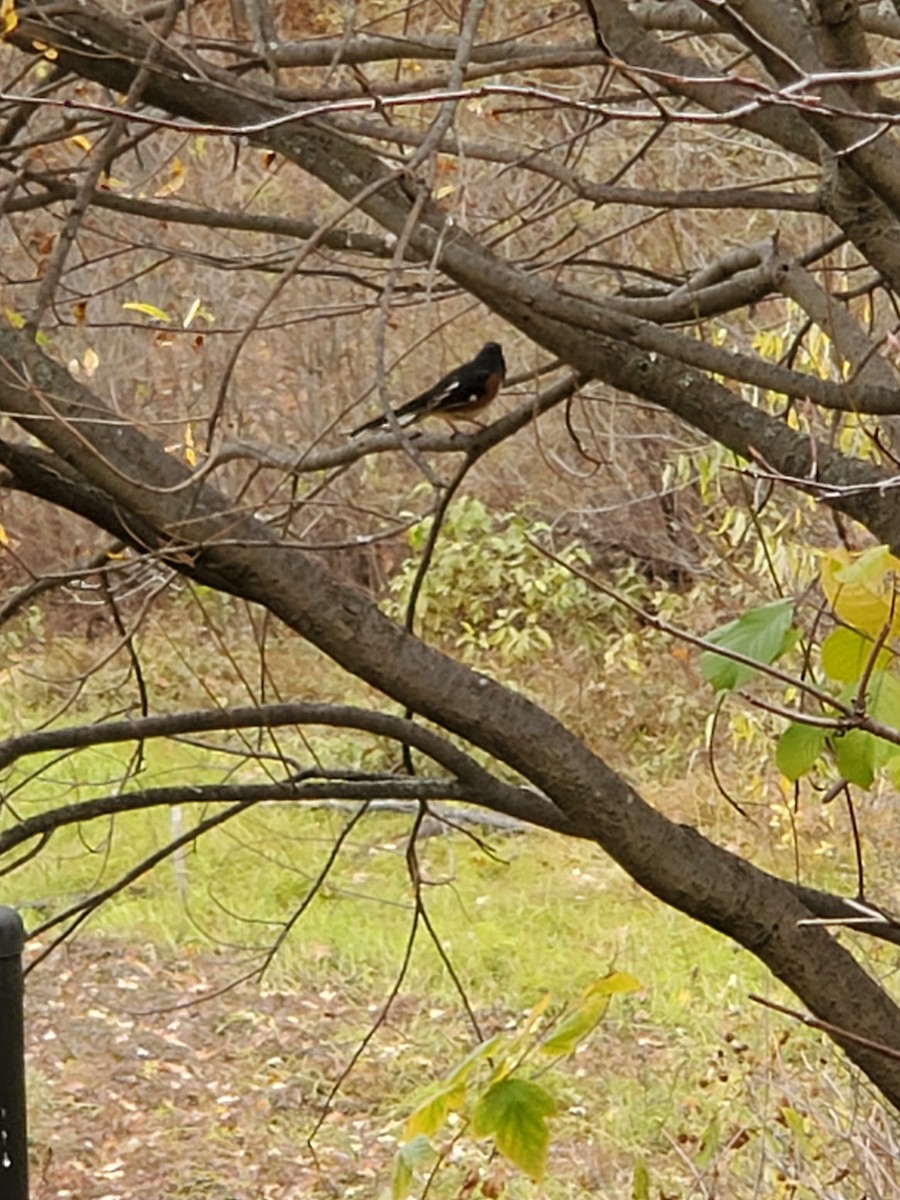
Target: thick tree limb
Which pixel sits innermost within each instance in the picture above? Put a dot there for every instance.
(239, 553)
(228, 549)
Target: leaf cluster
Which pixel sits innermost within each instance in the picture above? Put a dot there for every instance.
(490, 587)
(490, 1093)
(853, 668)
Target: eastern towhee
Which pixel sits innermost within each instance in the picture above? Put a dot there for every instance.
(461, 393)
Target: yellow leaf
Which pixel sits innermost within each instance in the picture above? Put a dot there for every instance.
(610, 985)
(535, 1015)
(91, 361)
(861, 588)
(190, 446)
(4, 536)
(79, 140)
(149, 310)
(14, 318)
(175, 181)
(8, 17)
(191, 313)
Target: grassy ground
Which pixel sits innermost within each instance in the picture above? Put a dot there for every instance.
(148, 1079)
(155, 1072)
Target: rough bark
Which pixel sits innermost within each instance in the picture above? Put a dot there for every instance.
(197, 528)
(240, 554)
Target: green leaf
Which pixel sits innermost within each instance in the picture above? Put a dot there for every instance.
(515, 1112)
(709, 1145)
(576, 1026)
(796, 1123)
(640, 1180)
(884, 699)
(482, 1051)
(761, 634)
(845, 653)
(585, 1018)
(870, 566)
(412, 1154)
(892, 766)
(855, 754)
(798, 748)
(449, 1095)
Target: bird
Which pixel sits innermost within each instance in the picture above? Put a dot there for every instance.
(460, 393)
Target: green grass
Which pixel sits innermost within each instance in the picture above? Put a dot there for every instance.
(687, 1074)
(676, 1069)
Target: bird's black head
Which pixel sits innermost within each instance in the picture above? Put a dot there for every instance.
(491, 354)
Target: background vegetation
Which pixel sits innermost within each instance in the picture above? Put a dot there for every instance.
(230, 234)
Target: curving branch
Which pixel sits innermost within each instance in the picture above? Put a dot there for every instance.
(676, 864)
(522, 803)
(364, 789)
(216, 538)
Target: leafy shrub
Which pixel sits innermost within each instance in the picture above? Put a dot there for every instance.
(489, 587)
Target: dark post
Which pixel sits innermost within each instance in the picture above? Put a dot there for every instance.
(13, 1124)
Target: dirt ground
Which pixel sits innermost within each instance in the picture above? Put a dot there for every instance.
(144, 1083)
(150, 1077)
